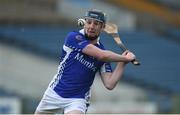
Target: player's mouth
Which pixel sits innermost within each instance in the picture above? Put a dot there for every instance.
(91, 32)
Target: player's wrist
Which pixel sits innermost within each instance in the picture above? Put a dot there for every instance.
(128, 59)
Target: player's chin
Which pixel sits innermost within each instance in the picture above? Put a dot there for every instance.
(91, 35)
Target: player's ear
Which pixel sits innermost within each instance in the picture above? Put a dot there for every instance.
(103, 25)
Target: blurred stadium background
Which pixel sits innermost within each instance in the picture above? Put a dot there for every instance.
(33, 31)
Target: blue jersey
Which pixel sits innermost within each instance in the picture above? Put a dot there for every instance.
(77, 70)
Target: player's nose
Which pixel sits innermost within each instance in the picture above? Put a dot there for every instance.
(91, 25)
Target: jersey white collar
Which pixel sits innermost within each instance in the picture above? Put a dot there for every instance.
(82, 32)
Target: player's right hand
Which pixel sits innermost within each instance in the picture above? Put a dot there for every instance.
(129, 55)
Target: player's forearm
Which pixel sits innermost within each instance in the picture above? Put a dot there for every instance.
(104, 55)
(115, 76)
(110, 56)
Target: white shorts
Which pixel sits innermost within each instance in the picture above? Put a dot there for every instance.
(53, 103)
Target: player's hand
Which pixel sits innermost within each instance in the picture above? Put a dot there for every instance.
(129, 55)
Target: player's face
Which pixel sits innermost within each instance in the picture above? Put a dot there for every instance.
(93, 28)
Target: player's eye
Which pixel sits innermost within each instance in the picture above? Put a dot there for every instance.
(96, 23)
(89, 21)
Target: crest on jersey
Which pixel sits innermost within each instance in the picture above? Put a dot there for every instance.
(79, 37)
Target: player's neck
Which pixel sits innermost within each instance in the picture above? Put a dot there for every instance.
(93, 41)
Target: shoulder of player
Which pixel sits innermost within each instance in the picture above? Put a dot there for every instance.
(73, 34)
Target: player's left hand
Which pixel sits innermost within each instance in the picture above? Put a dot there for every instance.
(129, 55)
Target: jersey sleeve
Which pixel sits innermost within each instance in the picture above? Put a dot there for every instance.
(76, 41)
(106, 67)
